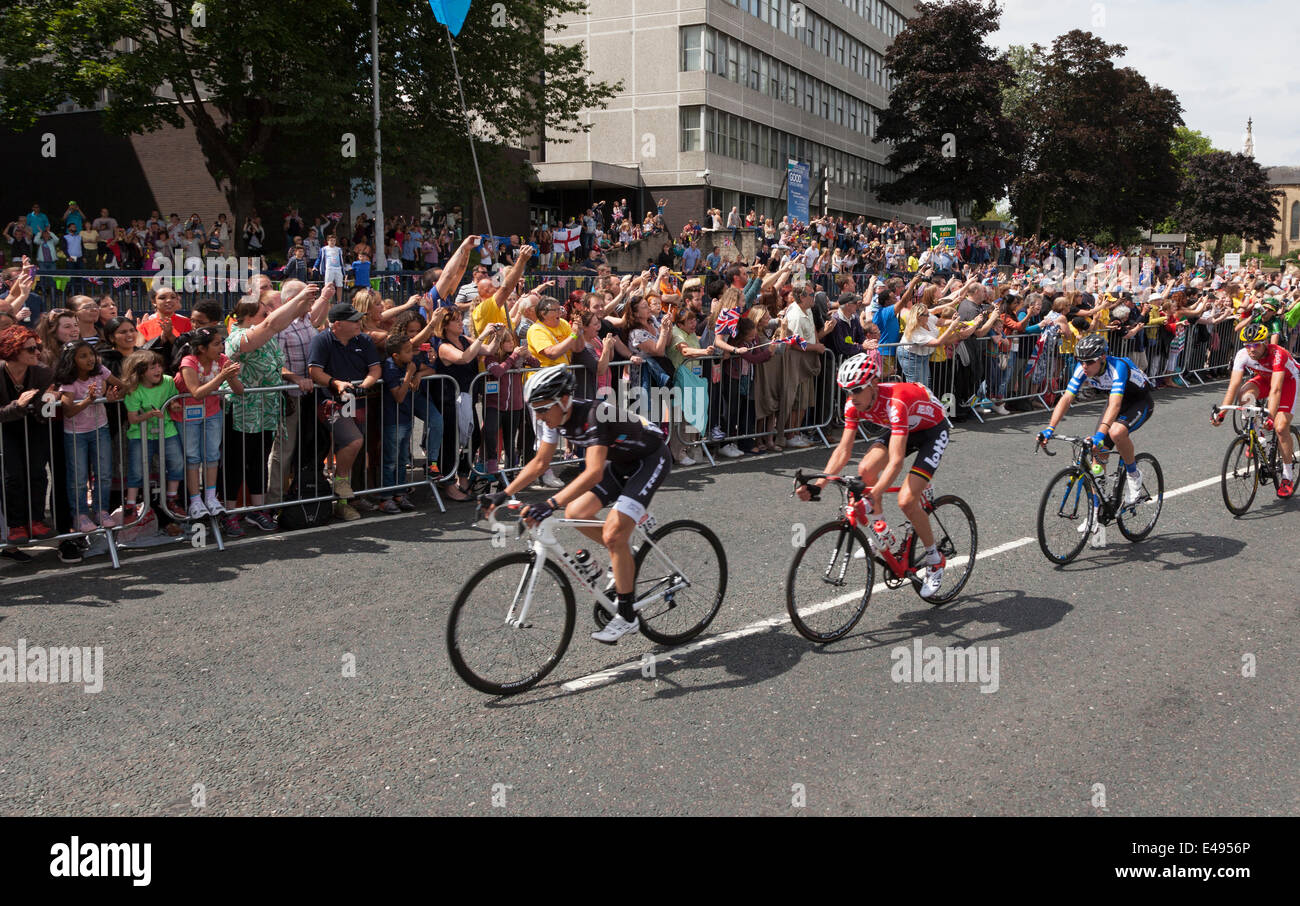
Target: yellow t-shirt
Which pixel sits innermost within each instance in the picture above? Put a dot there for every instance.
(541, 337)
(484, 313)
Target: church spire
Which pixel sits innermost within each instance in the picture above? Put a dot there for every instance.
(1248, 147)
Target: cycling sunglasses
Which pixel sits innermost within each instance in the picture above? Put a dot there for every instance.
(538, 410)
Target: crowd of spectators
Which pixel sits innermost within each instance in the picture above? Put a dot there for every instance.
(247, 407)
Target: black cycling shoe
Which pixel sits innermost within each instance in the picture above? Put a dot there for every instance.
(70, 552)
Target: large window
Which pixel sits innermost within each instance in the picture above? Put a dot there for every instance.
(692, 48)
(692, 131)
(820, 36)
(1295, 221)
(737, 138)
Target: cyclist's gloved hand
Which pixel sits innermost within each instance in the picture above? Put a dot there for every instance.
(1098, 439)
(1216, 417)
(536, 512)
(1268, 423)
(489, 502)
(1045, 435)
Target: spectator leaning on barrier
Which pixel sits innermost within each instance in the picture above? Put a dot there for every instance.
(801, 364)
(203, 368)
(256, 418)
(340, 358)
(88, 444)
(150, 431)
(299, 427)
(24, 438)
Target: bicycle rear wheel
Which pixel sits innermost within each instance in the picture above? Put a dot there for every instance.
(1277, 460)
(488, 652)
(1240, 477)
(822, 585)
(953, 525)
(1136, 520)
(1065, 515)
(682, 551)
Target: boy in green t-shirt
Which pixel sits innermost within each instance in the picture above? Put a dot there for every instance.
(147, 392)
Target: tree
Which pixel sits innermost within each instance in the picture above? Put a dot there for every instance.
(1228, 194)
(951, 142)
(1098, 156)
(1187, 144)
(280, 93)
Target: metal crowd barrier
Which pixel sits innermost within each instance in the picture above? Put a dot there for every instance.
(50, 476)
(43, 485)
(314, 456)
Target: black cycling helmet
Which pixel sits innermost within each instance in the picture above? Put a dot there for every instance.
(548, 384)
(1090, 348)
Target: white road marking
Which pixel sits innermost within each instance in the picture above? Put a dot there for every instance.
(604, 677)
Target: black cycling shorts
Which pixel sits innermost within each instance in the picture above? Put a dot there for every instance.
(1135, 409)
(630, 485)
(928, 444)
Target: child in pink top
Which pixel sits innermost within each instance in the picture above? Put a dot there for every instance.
(87, 443)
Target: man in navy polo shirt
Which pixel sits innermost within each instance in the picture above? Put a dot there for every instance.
(338, 358)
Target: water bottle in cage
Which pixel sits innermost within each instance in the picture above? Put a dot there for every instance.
(884, 534)
(587, 566)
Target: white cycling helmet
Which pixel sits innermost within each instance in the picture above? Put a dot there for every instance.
(858, 371)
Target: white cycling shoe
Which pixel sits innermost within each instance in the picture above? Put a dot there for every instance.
(1133, 487)
(933, 579)
(615, 629)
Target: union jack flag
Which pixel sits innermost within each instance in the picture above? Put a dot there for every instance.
(94, 280)
(728, 321)
(796, 340)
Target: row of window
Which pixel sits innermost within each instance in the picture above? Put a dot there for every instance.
(716, 132)
(795, 19)
(705, 48)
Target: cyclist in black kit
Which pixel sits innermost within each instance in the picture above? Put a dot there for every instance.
(627, 458)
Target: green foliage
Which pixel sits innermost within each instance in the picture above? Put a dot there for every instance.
(272, 88)
(1228, 196)
(1098, 154)
(950, 139)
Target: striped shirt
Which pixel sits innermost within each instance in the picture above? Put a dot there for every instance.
(295, 340)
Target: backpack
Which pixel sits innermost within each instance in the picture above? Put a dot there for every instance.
(308, 483)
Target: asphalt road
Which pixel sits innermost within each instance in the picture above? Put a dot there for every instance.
(1121, 673)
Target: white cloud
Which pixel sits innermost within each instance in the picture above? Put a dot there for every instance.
(1225, 62)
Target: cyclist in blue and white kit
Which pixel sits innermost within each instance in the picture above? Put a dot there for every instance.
(1127, 410)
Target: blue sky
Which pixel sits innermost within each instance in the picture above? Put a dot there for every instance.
(1224, 61)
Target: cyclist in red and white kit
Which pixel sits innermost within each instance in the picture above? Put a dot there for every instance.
(917, 423)
(1274, 372)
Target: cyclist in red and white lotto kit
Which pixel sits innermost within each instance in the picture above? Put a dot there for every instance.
(1274, 372)
(918, 424)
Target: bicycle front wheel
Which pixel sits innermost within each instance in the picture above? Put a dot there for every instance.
(489, 647)
(1240, 478)
(953, 525)
(688, 567)
(1065, 516)
(1136, 520)
(828, 586)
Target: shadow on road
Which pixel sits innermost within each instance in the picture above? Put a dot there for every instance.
(999, 614)
(758, 657)
(1172, 552)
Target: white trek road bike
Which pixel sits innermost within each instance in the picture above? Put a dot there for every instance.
(513, 619)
